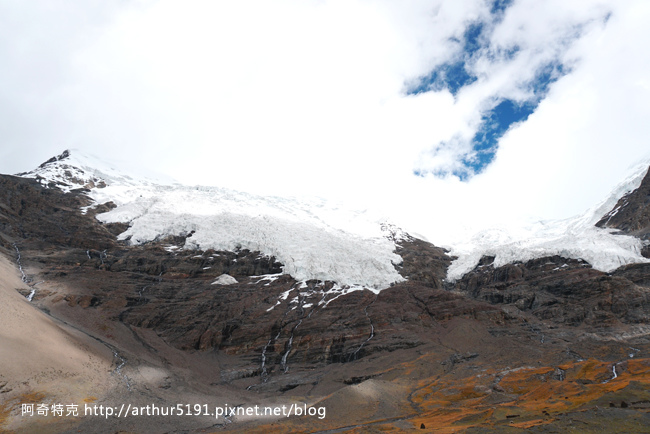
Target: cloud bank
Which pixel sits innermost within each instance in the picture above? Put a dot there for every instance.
(447, 115)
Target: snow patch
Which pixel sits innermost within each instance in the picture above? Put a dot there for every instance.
(266, 277)
(225, 279)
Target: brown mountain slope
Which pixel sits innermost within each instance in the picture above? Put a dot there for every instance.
(532, 346)
(42, 360)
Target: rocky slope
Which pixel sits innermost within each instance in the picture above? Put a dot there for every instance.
(541, 345)
(631, 215)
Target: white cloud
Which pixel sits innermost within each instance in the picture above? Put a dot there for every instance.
(590, 129)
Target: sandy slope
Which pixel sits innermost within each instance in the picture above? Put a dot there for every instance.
(41, 360)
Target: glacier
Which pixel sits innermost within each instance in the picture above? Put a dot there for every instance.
(574, 238)
(318, 239)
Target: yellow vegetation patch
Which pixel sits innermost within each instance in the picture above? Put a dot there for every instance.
(520, 398)
(639, 367)
(5, 409)
(25, 398)
(452, 404)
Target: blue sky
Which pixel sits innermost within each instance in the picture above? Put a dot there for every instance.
(498, 113)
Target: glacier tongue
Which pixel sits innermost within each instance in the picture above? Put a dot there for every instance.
(575, 238)
(599, 247)
(296, 234)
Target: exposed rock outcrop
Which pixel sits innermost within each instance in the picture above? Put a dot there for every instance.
(631, 215)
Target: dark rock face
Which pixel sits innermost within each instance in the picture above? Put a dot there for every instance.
(46, 216)
(423, 262)
(564, 291)
(631, 215)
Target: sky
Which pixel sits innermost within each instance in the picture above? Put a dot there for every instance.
(444, 115)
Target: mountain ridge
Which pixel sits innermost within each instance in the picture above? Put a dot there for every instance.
(157, 210)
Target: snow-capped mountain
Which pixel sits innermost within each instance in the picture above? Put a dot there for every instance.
(313, 239)
(73, 169)
(316, 239)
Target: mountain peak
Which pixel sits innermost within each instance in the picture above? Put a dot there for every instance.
(67, 171)
(74, 169)
(65, 154)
